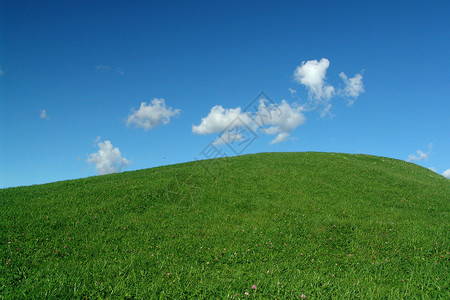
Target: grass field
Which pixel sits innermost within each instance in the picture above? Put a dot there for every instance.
(268, 226)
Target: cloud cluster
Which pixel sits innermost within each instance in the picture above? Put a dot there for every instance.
(271, 119)
(234, 124)
(108, 159)
(312, 75)
(149, 116)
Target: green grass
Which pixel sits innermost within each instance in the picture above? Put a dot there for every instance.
(326, 225)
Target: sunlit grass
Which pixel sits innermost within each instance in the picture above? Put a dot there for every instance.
(273, 225)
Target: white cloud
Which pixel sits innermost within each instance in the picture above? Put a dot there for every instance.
(312, 75)
(271, 119)
(281, 137)
(353, 87)
(44, 114)
(281, 119)
(292, 91)
(108, 159)
(446, 173)
(420, 154)
(228, 137)
(220, 119)
(433, 169)
(1, 71)
(149, 116)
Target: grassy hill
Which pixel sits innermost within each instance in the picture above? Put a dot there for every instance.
(273, 225)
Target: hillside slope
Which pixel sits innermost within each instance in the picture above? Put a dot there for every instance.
(273, 225)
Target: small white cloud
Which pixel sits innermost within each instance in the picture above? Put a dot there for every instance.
(106, 68)
(119, 71)
(326, 111)
(108, 159)
(220, 119)
(312, 75)
(420, 156)
(446, 173)
(292, 91)
(44, 114)
(149, 116)
(433, 169)
(353, 87)
(281, 119)
(102, 68)
(281, 137)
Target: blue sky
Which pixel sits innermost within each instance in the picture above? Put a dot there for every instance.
(93, 87)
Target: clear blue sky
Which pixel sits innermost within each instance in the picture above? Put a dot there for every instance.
(73, 75)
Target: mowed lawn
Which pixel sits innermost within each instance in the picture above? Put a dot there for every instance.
(262, 226)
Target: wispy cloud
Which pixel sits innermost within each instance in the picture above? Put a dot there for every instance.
(420, 154)
(1, 71)
(353, 87)
(228, 137)
(119, 71)
(107, 68)
(281, 137)
(108, 159)
(292, 91)
(44, 114)
(151, 115)
(102, 68)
